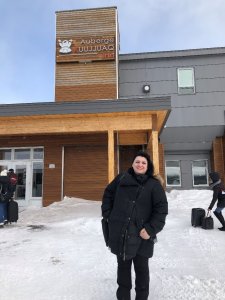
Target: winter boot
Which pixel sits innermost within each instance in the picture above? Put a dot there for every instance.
(222, 228)
(220, 218)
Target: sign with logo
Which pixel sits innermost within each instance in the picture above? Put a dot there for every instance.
(85, 49)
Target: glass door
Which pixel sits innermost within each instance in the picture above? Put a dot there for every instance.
(28, 165)
(22, 170)
(29, 186)
(22, 188)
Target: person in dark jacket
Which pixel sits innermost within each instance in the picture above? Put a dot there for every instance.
(219, 196)
(4, 182)
(135, 205)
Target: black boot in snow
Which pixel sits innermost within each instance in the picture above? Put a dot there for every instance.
(222, 228)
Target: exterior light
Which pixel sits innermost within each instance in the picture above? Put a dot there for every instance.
(146, 88)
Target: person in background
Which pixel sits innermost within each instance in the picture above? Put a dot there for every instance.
(219, 196)
(3, 203)
(13, 180)
(135, 205)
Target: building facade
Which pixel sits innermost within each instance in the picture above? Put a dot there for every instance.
(193, 136)
(107, 106)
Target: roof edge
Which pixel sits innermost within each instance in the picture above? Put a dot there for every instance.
(172, 53)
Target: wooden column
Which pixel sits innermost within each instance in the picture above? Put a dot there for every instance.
(153, 148)
(218, 157)
(111, 159)
(153, 144)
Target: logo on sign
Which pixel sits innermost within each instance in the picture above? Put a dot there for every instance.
(65, 46)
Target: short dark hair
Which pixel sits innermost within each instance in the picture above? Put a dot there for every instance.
(150, 170)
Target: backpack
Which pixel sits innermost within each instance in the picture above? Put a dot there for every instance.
(13, 178)
(5, 196)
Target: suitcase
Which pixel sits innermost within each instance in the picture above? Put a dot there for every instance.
(13, 211)
(197, 215)
(2, 213)
(207, 222)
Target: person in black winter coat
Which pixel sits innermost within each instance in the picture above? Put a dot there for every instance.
(219, 196)
(135, 205)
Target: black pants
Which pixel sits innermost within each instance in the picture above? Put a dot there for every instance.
(124, 278)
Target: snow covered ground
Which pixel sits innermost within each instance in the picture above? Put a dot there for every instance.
(58, 253)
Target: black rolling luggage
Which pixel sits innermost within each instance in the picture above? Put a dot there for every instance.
(13, 211)
(207, 222)
(197, 215)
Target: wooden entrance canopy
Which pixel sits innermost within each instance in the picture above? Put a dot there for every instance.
(134, 120)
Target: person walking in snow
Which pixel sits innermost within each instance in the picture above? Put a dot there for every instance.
(219, 196)
(135, 205)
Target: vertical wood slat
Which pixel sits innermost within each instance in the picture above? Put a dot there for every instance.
(85, 171)
(218, 157)
(111, 157)
(162, 163)
(153, 147)
(52, 178)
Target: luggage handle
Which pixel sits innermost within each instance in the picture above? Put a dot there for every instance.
(208, 214)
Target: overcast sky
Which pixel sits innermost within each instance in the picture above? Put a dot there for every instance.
(27, 44)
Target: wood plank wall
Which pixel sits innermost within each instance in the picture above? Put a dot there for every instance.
(218, 162)
(52, 179)
(86, 170)
(86, 80)
(85, 160)
(53, 155)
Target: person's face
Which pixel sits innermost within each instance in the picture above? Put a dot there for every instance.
(140, 165)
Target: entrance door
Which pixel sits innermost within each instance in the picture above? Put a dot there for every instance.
(22, 193)
(28, 165)
(23, 188)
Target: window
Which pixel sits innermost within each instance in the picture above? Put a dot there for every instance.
(173, 177)
(5, 154)
(37, 179)
(200, 172)
(22, 154)
(38, 153)
(186, 81)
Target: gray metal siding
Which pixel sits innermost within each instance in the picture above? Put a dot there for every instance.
(186, 167)
(161, 74)
(195, 119)
(215, 98)
(196, 116)
(157, 88)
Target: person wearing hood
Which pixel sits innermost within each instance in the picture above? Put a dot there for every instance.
(135, 205)
(219, 196)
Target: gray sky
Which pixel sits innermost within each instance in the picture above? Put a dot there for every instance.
(27, 44)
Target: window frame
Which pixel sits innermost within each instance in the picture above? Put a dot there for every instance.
(173, 185)
(207, 173)
(35, 161)
(185, 90)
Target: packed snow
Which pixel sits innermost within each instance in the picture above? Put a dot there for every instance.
(58, 253)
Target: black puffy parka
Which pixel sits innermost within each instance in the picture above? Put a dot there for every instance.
(130, 203)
